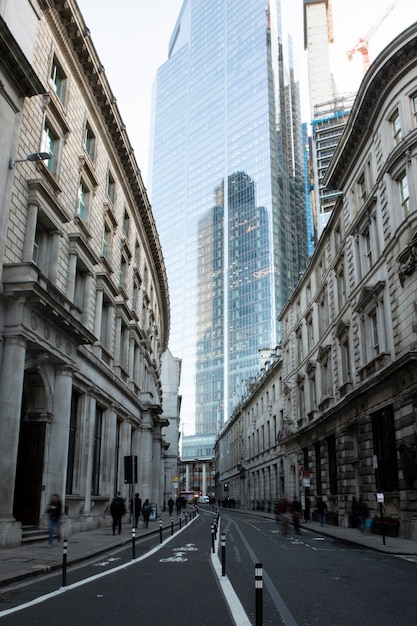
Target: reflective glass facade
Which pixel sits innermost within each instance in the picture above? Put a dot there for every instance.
(228, 196)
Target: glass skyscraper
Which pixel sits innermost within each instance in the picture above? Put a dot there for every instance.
(228, 195)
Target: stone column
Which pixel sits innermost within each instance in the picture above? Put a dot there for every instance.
(99, 313)
(156, 466)
(56, 471)
(88, 448)
(204, 480)
(11, 389)
(88, 286)
(29, 242)
(72, 272)
(145, 457)
(53, 269)
(187, 477)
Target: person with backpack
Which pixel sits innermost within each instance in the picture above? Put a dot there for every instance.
(117, 510)
(146, 512)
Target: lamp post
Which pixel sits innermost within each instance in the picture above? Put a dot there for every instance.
(34, 156)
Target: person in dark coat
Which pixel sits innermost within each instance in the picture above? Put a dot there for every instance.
(321, 510)
(146, 512)
(363, 514)
(296, 512)
(136, 509)
(117, 510)
(54, 512)
(170, 505)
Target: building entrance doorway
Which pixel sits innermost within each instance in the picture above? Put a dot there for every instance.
(29, 470)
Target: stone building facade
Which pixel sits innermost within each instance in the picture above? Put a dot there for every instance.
(343, 420)
(84, 306)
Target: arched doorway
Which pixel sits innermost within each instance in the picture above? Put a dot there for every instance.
(30, 458)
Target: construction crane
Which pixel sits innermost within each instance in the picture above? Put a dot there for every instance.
(362, 44)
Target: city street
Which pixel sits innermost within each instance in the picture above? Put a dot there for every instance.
(308, 579)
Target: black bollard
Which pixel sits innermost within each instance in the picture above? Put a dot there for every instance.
(64, 563)
(180, 521)
(160, 530)
(172, 525)
(258, 594)
(223, 547)
(133, 542)
(212, 538)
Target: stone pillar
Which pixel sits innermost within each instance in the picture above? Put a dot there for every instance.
(204, 480)
(118, 340)
(11, 389)
(53, 269)
(30, 231)
(85, 316)
(108, 468)
(145, 457)
(156, 466)
(88, 448)
(56, 470)
(187, 477)
(72, 272)
(99, 313)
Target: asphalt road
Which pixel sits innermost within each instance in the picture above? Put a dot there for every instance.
(175, 584)
(311, 580)
(308, 580)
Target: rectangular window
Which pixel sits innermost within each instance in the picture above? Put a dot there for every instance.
(373, 319)
(111, 187)
(72, 442)
(385, 448)
(396, 127)
(341, 286)
(404, 193)
(89, 142)
(97, 437)
(106, 245)
(414, 103)
(126, 223)
(83, 204)
(50, 143)
(331, 451)
(58, 80)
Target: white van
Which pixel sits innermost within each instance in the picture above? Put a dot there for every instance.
(204, 499)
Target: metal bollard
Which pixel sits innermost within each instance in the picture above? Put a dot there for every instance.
(186, 517)
(133, 542)
(160, 530)
(180, 521)
(223, 547)
(64, 563)
(212, 538)
(172, 525)
(258, 594)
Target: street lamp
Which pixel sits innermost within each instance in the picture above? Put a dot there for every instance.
(34, 156)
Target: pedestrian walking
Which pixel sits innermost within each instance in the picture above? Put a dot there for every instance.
(178, 504)
(307, 509)
(137, 508)
(363, 514)
(54, 512)
(321, 510)
(146, 512)
(170, 505)
(295, 509)
(117, 510)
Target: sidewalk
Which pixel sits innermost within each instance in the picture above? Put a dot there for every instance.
(35, 558)
(31, 559)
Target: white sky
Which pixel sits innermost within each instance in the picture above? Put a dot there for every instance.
(131, 38)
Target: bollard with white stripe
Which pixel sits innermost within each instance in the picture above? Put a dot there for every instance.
(212, 538)
(133, 542)
(223, 551)
(160, 530)
(258, 594)
(64, 563)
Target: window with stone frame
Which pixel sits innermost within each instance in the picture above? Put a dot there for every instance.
(97, 445)
(299, 340)
(323, 311)
(83, 201)
(343, 335)
(89, 142)
(404, 192)
(385, 449)
(107, 241)
(324, 358)
(72, 485)
(332, 460)
(367, 242)
(51, 144)
(58, 80)
(341, 284)
(414, 104)
(373, 330)
(310, 331)
(395, 122)
(111, 187)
